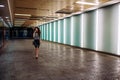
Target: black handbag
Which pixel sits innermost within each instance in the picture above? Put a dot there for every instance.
(33, 42)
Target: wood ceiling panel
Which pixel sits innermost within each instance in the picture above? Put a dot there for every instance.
(49, 7)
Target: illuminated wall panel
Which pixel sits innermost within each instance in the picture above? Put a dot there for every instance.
(48, 31)
(45, 32)
(75, 30)
(82, 32)
(52, 30)
(54, 33)
(56, 30)
(108, 24)
(61, 31)
(42, 31)
(97, 29)
(64, 31)
(118, 41)
(67, 33)
(89, 31)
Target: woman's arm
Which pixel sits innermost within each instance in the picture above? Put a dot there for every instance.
(33, 34)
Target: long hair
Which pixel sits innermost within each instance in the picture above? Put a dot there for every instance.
(38, 30)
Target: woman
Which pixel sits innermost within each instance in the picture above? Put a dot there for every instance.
(36, 42)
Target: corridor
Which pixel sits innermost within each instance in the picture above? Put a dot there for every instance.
(55, 62)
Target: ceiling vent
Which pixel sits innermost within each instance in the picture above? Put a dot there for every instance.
(64, 11)
(26, 8)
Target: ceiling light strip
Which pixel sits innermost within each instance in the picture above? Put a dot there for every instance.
(86, 3)
(2, 6)
(23, 14)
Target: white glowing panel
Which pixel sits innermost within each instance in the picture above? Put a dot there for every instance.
(47, 31)
(64, 39)
(82, 30)
(72, 31)
(50, 32)
(99, 30)
(118, 46)
(54, 31)
(59, 38)
(108, 29)
(62, 31)
(42, 31)
(96, 30)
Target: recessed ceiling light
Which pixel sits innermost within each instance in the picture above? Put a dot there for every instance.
(23, 14)
(2, 5)
(87, 3)
(6, 17)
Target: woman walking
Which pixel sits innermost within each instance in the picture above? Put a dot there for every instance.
(36, 42)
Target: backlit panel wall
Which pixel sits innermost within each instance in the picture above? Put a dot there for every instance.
(67, 31)
(75, 30)
(59, 31)
(108, 24)
(89, 29)
(98, 29)
(62, 31)
(118, 41)
(46, 31)
(52, 31)
(56, 31)
(41, 31)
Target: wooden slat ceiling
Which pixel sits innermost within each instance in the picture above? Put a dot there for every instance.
(46, 10)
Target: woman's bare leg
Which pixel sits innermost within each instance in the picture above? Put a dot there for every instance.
(36, 52)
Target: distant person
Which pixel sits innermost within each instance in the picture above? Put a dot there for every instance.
(36, 42)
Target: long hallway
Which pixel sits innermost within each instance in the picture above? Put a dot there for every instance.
(55, 62)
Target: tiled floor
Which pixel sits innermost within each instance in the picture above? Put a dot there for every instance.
(56, 62)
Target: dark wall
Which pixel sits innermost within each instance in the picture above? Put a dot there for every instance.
(21, 33)
(2, 36)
